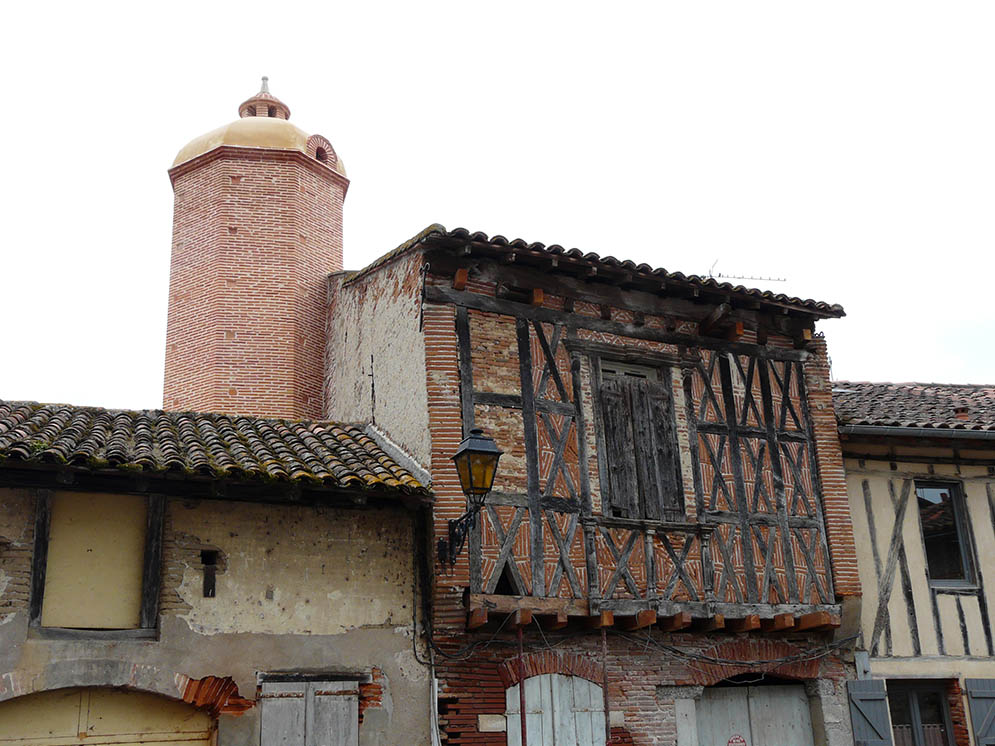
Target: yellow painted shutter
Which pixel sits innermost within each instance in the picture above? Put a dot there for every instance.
(96, 548)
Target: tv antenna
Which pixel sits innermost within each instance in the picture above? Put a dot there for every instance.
(752, 278)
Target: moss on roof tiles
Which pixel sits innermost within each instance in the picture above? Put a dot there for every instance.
(215, 445)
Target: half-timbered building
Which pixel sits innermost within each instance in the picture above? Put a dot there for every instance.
(920, 466)
(666, 556)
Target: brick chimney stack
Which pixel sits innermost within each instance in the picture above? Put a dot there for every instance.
(257, 228)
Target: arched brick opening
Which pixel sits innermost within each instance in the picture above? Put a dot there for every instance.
(753, 653)
(549, 661)
(320, 149)
(212, 693)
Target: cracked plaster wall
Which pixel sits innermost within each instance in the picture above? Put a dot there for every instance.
(375, 354)
(341, 587)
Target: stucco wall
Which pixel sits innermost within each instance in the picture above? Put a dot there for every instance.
(375, 354)
(921, 631)
(298, 589)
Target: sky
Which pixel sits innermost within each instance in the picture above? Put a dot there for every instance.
(846, 147)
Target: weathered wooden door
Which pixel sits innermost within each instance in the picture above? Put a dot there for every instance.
(69, 717)
(754, 716)
(559, 711)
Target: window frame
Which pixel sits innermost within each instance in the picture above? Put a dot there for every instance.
(661, 367)
(965, 537)
(148, 623)
(911, 690)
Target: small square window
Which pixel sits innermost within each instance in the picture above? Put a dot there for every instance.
(944, 533)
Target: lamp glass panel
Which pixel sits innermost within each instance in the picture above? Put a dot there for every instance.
(482, 471)
(463, 469)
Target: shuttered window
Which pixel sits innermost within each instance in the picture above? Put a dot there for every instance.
(310, 713)
(639, 442)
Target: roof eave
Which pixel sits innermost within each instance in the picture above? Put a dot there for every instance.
(893, 431)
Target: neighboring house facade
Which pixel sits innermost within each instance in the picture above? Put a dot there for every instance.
(239, 578)
(667, 550)
(207, 579)
(920, 465)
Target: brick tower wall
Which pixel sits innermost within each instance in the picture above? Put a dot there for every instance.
(255, 234)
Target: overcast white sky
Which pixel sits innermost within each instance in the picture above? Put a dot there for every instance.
(848, 147)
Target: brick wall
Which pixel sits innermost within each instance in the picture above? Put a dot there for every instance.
(17, 535)
(829, 456)
(255, 234)
(958, 713)
(474, 681)
(640, 676)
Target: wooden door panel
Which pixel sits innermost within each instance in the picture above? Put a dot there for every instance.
(70, 717)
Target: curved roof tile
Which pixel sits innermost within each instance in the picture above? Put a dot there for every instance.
(436, 232)
(217, 445)
(926, 405)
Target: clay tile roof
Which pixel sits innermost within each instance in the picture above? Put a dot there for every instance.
(315, 454)
(920, 405)
(438, 235)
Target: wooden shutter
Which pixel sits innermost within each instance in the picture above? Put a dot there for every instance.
(668, 485)
(282, 713)
(623, 485)
(869, 713)
(640, 440)
(559, 710)
(981, 701)
(332, 713)
(312, 713)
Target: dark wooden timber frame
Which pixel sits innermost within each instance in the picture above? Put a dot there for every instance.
(785, 525)
(891, 565)
(151, 574)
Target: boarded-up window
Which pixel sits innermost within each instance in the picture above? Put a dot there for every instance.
(559, 709)
(94, 568)
(310, 713)
(102, 716)
(639, 439)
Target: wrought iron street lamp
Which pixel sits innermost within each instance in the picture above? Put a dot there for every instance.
(476, 462)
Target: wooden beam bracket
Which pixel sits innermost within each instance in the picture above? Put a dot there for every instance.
(642, 619)
(675, 622)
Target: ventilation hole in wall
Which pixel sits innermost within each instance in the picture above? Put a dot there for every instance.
(506, 583)
(271, 111)
(232, 229)
(209, 559)
(236, 179)
(321, 154)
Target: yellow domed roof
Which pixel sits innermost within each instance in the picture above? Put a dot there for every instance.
(250, 132)
(257, 130)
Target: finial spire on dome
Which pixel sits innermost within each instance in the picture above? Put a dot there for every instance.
(264, 104)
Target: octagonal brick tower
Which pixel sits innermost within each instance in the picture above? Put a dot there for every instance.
(257, 228)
